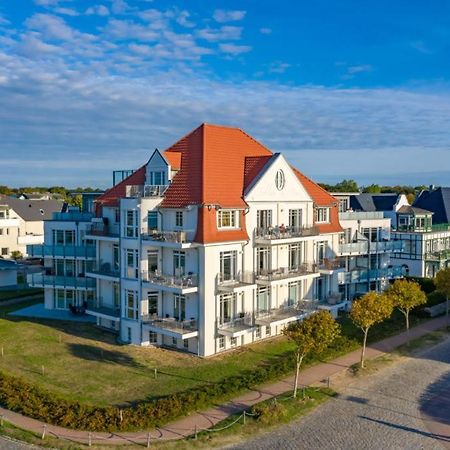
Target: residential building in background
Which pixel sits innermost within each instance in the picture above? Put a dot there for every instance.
(22, 222)
(214, 243)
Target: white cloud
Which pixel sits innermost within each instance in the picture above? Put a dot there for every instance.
(279, 67)
(220, 34)
(47, 2)
(99, 10)
(222, 15)
(66, 11)
(234, 49)
(125, 29)
(265, 30)
(119, 6)
(183, 19)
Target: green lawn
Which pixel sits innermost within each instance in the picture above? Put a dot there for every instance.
(82, 362)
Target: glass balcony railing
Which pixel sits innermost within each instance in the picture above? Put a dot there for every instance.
(98, 306)
(363, 247)
(171, 324)
(73, 216)
(280, 232)
(183, 281)
(100, 229)
(287, 272)
(63, 251)
(236, 326)
(177, 237)
(43, 280)
(366, 275)
(104, 268)
(134, 191)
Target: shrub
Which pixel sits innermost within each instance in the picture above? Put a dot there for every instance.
(269, 412)
(427, 284)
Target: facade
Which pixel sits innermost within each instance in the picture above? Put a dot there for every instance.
(214, 243)
(22, 222)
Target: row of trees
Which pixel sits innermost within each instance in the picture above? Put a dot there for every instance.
(318, 331)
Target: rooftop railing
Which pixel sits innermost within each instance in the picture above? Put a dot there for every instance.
(361, 215)
(146, 190)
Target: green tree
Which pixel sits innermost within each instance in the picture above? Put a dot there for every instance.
(16, 254)
(313, 334)
(369, 310)
(405, 296)
(372, 189)
(442, 282)
(346, 186)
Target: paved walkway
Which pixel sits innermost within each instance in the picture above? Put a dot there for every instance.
(206, 419)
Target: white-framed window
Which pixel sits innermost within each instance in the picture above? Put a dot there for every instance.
(263, 299)
(132, 263)
(221, 342)
(228, 269)
(263, 258)
(264, 218)
(295, 255)
(233, 342)
(179, 219)
(179, 307)
(179, 263)
(323, 215)
(295, 218)
(268, 330)
(132, 304)
(63, 298)
(227, 308)
(227, 218)
(294, 292)
(152, 337)
(152, 297)
(131, 223)
(158, 178)
(64, 237)
(321, 251)
(258, 332)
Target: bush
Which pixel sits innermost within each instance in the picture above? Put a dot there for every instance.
(434, 298)
(269, 412)
(427, 284)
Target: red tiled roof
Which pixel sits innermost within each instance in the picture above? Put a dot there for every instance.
(174, 159)
(321, 198)
(252, 167)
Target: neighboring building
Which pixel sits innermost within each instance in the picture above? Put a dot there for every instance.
(8, 274)
(212, 244)
(22, 222)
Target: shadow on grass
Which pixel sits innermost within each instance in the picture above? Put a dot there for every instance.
(96, 354)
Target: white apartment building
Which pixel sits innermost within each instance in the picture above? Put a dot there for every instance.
(22, 222)
(214, 243)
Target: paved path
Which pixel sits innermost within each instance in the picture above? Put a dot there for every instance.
(383, 411)
(206, 419)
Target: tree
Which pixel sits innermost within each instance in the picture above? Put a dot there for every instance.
(346, 186)
(313, 334)
(372, 189)
(442, 282)
(16, 254)
(406, 295)
(370, 309)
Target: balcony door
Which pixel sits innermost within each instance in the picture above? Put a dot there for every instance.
(263, 299)
(264, 218)
(179, 263)
(179, 307)
(263, 257)
(228, 267)
(152, 261)
(227, 308)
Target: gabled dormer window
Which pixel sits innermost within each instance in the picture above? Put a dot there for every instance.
(158, 178)
(323, 215)
(227, 218)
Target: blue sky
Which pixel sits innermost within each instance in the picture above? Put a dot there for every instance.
(354, 89)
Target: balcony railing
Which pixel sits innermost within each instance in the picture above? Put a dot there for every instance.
(104, 268)
(183, 281)
(64, 251)
(280, 232)
(101, 229)
(42, 280)
(365, 275)
(73, 216)
(332, 264)
(145, 190)
(238, 279)
(363, 247)
(178, 237)
(236, 325)
(440, 255)
(171, 323)
(97, 306)
(287, 272)
(285, 312)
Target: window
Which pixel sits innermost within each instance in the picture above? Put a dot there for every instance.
(186, 344)
(344, 204)
(152, 337)
(129, 334)
(152, 261)
(132, 304)
(4, 251)
(263, 299)
(372, 234)
(263, 257)
(179, 263)
(233, 342)
(152, 303)
(64, 237)
(221, 342)
(268, 330)
(132, 263)
(227, 308)
(322, 215)
(116, 259)
(295, 218)
(179, 219)
(116, 295)
(179, 307)
(321, 251)
(295, 256)
(131, 223)
(174, 342)
(228, 265)
(258, 332)
(116, 215)
(152, 220)
(158, 178)
(227, 218)
(264, 218)
(295, 293)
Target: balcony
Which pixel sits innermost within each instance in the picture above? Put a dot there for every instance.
(102, 231)
(284, 273)
(286, 314)
(440, 255)
(367, 275)
(97, 308)
(364, 247)
(169, 326)
(185, 284)
(61, 251)
(137, 191)
(73, 216)
(236, 327)
(229, 283)
(283, 235)
(103, 270)
(30, 239)
(173, 239)
(59, 281)
(328, 266)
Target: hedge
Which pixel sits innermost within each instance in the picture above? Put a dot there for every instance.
(20, 396)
